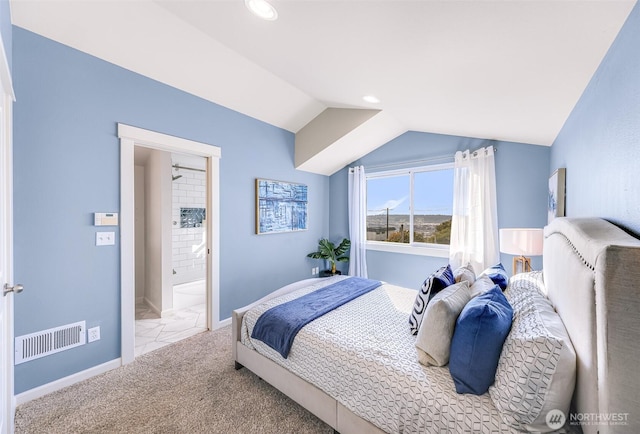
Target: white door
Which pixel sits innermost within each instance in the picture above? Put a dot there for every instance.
(6, 301)
(7, 404)
(4, 275)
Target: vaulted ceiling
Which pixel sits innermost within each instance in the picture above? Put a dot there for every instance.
(503, 70)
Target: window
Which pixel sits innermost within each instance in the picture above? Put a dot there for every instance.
(410, 206)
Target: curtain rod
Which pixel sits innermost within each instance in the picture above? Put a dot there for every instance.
(177, 166)
(443, 158)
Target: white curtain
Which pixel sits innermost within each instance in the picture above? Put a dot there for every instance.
(474, 225)
(358, 221)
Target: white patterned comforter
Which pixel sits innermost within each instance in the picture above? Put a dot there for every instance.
(363, 355)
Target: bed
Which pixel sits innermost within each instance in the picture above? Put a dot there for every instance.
(374, 384)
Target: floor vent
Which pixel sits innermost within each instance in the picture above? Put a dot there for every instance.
(40, 344)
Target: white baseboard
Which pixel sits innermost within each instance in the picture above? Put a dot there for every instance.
(66, 381)
(222, 323)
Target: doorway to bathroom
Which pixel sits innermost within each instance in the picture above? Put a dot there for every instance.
(171, 247)
(147, 237)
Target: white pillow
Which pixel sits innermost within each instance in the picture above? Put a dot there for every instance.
(465, 273)
(537, 368)
(434, 337)
(481, 285)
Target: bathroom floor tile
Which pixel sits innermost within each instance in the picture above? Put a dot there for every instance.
(153, 332)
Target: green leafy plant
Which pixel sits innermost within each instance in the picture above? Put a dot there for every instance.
(328, 251)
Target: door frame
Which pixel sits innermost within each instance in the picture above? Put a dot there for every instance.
(129, 138)
(7, 97)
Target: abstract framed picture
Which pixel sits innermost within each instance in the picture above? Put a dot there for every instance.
(280, 206)
(556, 198)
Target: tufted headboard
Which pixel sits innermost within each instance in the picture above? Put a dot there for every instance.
(592, 275)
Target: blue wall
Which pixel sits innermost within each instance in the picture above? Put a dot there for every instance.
(521, 177)
(600, 142)
(6, 30)
(67, 167)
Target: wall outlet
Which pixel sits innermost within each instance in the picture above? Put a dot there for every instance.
(94, 334)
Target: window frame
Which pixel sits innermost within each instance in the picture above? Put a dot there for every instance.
(411, 248)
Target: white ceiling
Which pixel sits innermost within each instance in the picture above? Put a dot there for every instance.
(504, 70)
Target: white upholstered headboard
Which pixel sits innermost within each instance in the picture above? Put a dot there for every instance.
(591, 272)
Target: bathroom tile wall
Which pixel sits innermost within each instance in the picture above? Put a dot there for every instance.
(189, 191)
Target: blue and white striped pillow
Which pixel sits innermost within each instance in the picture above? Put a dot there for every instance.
(431, 286)
(498, 275)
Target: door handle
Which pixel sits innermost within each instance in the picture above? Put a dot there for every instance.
(16, 289)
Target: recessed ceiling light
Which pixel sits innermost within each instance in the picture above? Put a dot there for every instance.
(370, 98)
(262, 9)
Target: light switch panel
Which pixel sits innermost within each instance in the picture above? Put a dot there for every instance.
(105, 238)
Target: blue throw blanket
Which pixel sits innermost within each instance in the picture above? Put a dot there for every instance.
(278, 326)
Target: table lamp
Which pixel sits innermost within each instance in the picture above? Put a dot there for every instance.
(522, 242)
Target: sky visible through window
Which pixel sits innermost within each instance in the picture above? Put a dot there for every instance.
(433, 193)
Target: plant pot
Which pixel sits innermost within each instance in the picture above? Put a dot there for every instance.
(328, 273)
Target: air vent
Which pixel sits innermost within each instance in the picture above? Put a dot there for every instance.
(51, 341)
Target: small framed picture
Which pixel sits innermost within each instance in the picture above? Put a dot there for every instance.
(555, 206)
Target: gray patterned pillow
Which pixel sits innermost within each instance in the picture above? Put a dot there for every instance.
(537, 368)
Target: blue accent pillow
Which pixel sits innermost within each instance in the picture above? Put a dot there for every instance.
(477, 341)
(498, 274)
(435, 283)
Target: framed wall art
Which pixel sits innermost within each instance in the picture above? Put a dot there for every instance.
(280, 206)
(556, 198)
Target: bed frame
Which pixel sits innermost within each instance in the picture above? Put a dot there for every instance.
(592, 275)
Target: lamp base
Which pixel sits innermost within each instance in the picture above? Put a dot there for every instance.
(521, 264)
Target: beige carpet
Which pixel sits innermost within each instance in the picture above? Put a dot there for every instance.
(187, 387)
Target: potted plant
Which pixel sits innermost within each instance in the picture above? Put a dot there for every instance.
(328, 251)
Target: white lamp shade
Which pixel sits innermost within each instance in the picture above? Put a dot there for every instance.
(521, 241)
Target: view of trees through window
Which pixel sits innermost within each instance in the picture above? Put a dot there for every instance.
(389, 206)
